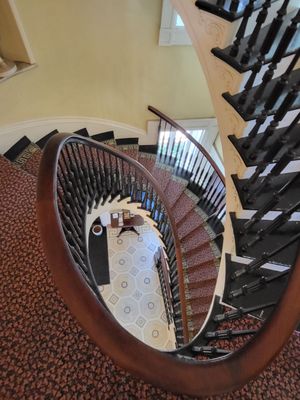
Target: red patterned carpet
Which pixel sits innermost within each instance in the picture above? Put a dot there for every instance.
(45, 354)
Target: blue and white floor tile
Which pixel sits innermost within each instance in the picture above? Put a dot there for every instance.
(134, 294)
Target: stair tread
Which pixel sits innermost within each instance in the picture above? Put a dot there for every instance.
(293, 136)
(130, 150)
(28, 158)
(104, 136)
(267, 193)
(241, 109)
(148, 148)
(33, 163)
(201, 274)
(224, 11)
(235, 62)
(191, 222)
(82, 132)
(182, 207)
(173, 191)
(44, 140)
(201, 257)
(270, 293)
(269, 243)
(197, 239)
(13, 152)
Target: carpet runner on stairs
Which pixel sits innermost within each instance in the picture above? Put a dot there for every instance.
(199, 253)
(45, 353)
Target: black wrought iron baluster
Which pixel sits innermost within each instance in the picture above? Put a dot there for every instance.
(170, 149)
(208, 180)
(215, 206)
(70, 185)
(275, 171)
(219, 205)
(265, 48)
(240, 312)
(260, 20)
(260, 213)
(71, 200)
(278, 55)
(275, 224)
(256, 285)
(205, 199)
(242, 29)
(266, 257)
(193, 157)
(197, 161)
(228, 334)
(71, 238)
(70, 210)
(93, 175)
(214, 197)
(72, 223)
(179, 147)
(80, 259)
(84, 169)
(285, 134)
(75, 171)
(125, 181)
(278, 116)
(97, 179)
(254, 131)
(164, 143)
(185, 157)
(146, 194)
(282, 83)
(181, 156)
(234, 5)
(268, 158)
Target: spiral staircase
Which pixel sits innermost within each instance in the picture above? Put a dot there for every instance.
(230, 285)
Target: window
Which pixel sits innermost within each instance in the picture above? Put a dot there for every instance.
(205, 131)
(172, 30)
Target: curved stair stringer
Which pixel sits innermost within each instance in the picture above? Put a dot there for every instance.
(206, 32)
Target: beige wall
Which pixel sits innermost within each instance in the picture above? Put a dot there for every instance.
(100, 58)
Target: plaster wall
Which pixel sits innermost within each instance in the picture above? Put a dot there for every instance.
(101, 59)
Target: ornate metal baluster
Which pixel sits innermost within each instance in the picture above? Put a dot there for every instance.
(242, 29)
(265, 48)
(261, 18)
(276, 223)
(266, 257)
(279, 53)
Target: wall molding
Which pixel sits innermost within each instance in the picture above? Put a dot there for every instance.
(37, 128)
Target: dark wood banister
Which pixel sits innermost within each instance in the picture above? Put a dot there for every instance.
(164, 266)
(60, 140)
(190, 138)
(202, 378)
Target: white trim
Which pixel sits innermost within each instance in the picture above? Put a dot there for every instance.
(37, 128)
(169, 33)
(21, 30)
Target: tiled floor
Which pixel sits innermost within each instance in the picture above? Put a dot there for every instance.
(134, 294)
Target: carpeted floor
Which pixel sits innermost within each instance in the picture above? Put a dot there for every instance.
(44, 352)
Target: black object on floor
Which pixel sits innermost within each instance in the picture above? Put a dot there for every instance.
(98, 253)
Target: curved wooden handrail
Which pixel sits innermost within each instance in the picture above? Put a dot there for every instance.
(56, 145)
(190, 138)
(201, 378)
